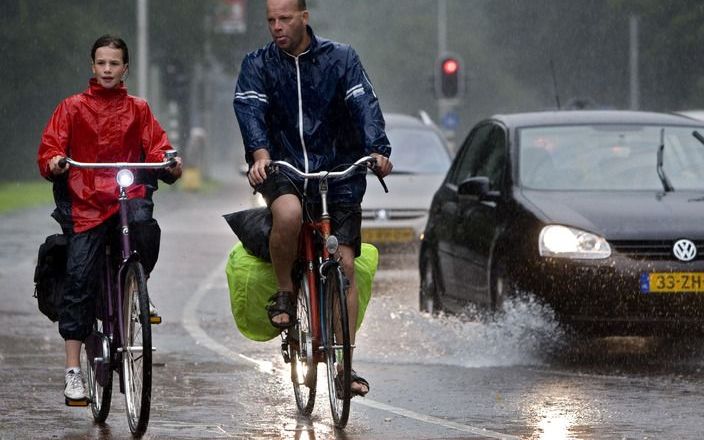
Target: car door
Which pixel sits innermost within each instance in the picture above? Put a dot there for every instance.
(474, 222)
(449, 216)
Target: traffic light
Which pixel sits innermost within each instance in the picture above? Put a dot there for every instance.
(449, 77)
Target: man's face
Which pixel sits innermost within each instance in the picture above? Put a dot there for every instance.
(287, 25)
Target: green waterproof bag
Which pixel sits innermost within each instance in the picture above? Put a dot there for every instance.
(252, 281)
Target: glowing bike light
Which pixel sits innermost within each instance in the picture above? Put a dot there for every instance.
(125, 178)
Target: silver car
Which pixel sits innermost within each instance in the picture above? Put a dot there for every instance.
(421, 158)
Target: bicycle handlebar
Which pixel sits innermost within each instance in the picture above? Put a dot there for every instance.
(367, 161)
(170, 162)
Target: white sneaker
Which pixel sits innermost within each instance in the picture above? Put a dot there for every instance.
(74, 389)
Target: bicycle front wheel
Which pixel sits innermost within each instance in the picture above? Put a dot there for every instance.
(337, 345)
(137, 349)
(304, 372)
(95, 361)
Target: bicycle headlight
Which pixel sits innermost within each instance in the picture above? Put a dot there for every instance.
(332, 244)
(564, 242)
(125, 178)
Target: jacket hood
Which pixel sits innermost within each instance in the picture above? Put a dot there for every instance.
(625, 215)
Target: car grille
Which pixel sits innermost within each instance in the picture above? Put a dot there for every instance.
(393, 214)
(652, 249)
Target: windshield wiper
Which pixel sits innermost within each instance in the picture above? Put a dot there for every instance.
(661, 172)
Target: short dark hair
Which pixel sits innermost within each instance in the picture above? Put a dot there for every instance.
(114, 42)
(302, 5)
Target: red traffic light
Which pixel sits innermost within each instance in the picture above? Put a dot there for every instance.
(450, 66)
(448, 77)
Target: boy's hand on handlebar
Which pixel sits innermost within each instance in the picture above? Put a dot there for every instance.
(55, 167)
(383, 165)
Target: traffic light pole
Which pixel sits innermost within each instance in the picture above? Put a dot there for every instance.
(446, 107)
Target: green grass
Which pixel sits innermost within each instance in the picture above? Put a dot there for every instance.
(18, 195)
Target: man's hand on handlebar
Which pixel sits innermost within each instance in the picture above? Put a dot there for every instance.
(257, 172)
(383, 165)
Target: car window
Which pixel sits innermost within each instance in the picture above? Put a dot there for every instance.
(493, 164)
(483, 154)
(609, 157)
(418, 151)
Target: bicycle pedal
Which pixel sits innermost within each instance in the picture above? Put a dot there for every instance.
(76, 402)
(284, 353)
(154, 319)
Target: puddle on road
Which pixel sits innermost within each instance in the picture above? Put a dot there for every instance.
(521, 335)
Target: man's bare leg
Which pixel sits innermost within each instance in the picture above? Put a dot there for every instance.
(286, 215)
(347, 254)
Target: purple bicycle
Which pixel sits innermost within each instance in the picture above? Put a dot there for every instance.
(122, 338)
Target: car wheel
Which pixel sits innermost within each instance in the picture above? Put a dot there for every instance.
(502, 287)
(428, 297)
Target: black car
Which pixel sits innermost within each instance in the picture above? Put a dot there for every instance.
(599, 214)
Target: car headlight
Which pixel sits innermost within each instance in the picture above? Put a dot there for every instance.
(564, 242)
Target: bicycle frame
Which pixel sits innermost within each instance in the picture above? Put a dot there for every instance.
(127, 254)
(307, 247)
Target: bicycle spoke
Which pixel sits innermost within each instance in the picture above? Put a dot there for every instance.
(337, 347)
(303, 363)
(137, 352)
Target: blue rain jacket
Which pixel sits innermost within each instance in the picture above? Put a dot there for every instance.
(317, 111)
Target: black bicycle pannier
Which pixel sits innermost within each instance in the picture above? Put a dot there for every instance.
(49, 275)
(252, 227)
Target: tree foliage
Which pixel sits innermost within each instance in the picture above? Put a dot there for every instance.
(508, 47)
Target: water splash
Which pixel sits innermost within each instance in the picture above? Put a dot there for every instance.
(524, 333)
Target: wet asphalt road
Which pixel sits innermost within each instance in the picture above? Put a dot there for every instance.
(431, 378)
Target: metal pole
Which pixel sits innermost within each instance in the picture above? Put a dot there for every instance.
(634, 80)
(442, 27)
(142, 49)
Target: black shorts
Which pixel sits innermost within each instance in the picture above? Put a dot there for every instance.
(345, 218)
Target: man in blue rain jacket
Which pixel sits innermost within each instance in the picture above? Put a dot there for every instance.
(308, 101)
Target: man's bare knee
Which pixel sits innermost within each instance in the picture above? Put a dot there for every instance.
(286, 214)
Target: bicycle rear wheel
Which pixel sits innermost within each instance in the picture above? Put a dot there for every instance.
(95, 361)
(337, 346)
(137, 349)
(304, 372)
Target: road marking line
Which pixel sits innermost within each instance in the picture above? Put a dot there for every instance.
(190, 323)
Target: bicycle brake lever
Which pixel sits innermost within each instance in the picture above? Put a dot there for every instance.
(372, 167)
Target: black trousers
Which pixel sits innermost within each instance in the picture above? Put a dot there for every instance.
(85, 261)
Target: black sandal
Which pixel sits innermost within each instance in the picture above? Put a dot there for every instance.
(280, 303)
(354, 377)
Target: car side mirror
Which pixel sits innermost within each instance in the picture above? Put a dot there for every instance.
(478, 188)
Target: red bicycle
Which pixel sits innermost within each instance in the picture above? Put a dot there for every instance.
(322, 329)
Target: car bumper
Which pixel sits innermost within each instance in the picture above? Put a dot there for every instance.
(607, 293)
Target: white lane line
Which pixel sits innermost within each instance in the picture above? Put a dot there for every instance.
(190, 323)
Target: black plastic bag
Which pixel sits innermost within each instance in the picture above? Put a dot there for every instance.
(252, 227)
(49, 275)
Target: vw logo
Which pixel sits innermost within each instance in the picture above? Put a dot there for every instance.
(684, 250)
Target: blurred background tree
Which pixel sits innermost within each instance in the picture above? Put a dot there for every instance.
(507, 47)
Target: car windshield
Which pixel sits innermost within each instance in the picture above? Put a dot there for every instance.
(609, 157)
(417, 151)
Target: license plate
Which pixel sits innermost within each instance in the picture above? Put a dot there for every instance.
(672, 282)
(387, 235)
